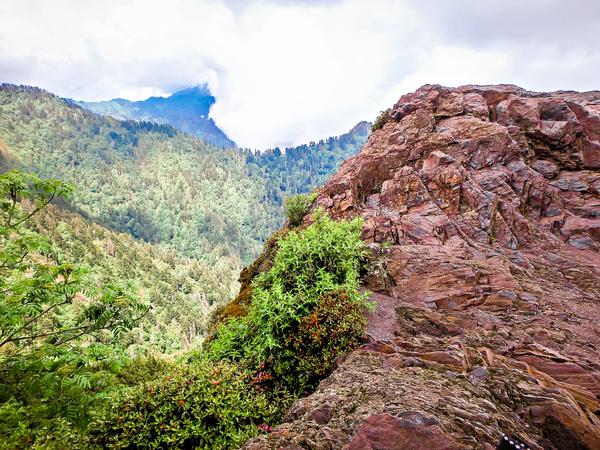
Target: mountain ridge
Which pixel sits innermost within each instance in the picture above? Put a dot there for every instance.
(57, 138)
(481, 207)
(187, 110)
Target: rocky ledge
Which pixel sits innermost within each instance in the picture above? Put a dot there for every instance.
(482, 208)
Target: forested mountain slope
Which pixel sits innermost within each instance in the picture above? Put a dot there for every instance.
(299, 169)
(187, 110)
(203, 211)
(114, 302)
(159, 184)
(180, 290)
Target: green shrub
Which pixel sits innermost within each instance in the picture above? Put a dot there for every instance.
(336, 325)
(142, 369)
(382, 119)
(207, 405)
(311, 291)
(297, 207)
(238, 306)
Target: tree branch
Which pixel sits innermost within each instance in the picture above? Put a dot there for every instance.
(35, 211)
(33, 319)
(10, 266)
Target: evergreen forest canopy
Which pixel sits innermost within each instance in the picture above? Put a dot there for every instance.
(109, 276)
(157, 206)
(158, 184)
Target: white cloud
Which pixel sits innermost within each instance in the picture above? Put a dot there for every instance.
(288, 72)
(297, 73)
(452, 66)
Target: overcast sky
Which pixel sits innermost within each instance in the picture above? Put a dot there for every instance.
(288, 72)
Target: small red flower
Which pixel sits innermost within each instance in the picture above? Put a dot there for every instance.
(265, 427)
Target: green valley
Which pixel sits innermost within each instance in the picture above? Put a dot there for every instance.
(110, 274)
(161, 185)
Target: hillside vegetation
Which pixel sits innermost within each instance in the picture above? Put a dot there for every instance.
(69, 377)
(159, 184)
(156, 206)
(181, 290)
(148, 180)
(110, 274)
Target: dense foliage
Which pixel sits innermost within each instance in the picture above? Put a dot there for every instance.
(298, 170)
(304, 312)
(67, 379)
(203, 405)
(180, 290)
(57, 327)
(95, 290)
(206, 211)
(297, 207)
(147, 180)
(160, 185)
(310, 292)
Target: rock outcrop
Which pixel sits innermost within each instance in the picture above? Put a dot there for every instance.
(482, 208)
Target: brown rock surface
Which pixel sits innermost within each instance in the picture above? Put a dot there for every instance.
(482, 208)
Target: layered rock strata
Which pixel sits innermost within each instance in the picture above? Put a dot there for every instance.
(482, 209)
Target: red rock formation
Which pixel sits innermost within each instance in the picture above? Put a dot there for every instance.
(482, 207)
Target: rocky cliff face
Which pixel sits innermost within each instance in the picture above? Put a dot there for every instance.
(482, 207)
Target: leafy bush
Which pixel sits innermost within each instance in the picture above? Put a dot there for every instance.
(311, 291)
(205, 405)
(382, 119)
(335, 325)
(57, 329)
(297, 207)
(142, 369)
(239, 305)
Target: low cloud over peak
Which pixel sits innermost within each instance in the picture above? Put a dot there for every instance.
(287, 72)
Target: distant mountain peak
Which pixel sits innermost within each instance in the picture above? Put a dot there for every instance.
(187, 109)
(198, 90)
